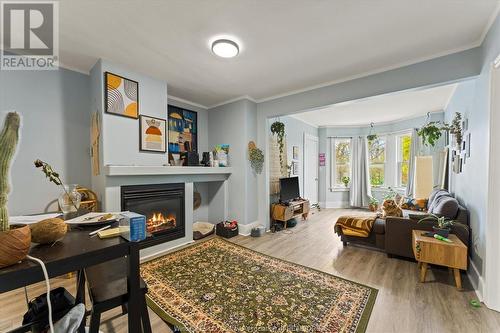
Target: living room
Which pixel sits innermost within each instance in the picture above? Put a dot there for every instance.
(238, 143)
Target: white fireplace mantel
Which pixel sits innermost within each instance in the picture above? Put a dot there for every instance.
(144, 170)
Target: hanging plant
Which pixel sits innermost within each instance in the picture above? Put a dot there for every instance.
(278, 129)
(256, 157)
(430, 133)
(456, 128)
(371, 136)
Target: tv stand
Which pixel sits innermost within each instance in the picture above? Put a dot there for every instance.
(292, 209)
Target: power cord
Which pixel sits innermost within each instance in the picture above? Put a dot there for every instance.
(47, 284)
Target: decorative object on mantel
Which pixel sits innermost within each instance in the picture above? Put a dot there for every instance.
(14, 242)
(121, 96)
(95, 133)
(222, 155)
(182, 130)
(152, 134)
(89, 199)
(371, 136)
(278, 129)
(69, 200)
(48, 231)
(256, 157)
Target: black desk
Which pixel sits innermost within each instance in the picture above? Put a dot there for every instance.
(76, 251)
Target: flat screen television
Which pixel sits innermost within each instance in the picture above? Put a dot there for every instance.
(289, 189)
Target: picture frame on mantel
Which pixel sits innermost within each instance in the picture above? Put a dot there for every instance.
(153, 134)
(182, 130)
(121, 96)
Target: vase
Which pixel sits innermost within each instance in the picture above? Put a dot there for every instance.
(69, 200)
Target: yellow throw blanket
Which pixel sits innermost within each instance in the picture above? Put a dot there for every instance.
(359, 226)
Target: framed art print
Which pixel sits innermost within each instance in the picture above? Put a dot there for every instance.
(182, 130)
(153, 134)
(121, 96)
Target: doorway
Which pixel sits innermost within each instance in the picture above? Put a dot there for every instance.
(311, 185)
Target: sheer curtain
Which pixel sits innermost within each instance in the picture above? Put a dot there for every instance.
(414, 152)
(360, 193)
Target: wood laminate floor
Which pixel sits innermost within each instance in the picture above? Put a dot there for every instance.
(403, 304)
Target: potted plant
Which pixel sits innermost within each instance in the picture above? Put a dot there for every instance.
(442, 225)
(455, 128)
(346, 180)
(430, 133)
(373, 204)
(278, 129)
(256, 157)
(14, 241)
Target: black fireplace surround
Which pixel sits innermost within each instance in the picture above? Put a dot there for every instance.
(163, 206)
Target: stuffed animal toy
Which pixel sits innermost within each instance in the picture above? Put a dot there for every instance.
(390, 208)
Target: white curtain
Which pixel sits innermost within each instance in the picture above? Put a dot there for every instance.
(360, 193)
(414, 152)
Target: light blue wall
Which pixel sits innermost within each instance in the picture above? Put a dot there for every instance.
(446, 69)
(340, 197)
(55, 128)
(295, 130)
(235, 124)
(471, 186)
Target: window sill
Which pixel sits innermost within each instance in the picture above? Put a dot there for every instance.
(340, 189)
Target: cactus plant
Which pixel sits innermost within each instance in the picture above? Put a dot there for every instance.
(8, 143)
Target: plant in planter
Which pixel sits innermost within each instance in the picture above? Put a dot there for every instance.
(346, 180)
(430, 133)
(455, 128)
(69, 200)
(14, 242)
(442, 225)
(278, 129)
(373, 204)
(256, 157)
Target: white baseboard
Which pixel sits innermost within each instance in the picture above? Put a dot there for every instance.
(480, 284)
(162, 252)
(335, 204)
(246, 229)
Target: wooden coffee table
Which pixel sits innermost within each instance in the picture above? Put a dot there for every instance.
(428, 250)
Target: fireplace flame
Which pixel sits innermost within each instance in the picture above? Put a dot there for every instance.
(159, 222)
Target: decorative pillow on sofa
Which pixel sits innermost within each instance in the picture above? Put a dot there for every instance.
(413, 204)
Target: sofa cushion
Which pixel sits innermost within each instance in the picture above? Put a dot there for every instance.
(432, 203)
(433, 195)
(413, 204)
(379, 226)
(446, 206)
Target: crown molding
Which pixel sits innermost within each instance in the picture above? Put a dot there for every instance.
(185, 101)
(233, 100)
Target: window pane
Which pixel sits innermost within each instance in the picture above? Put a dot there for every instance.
(404, 144)
(377, 173)
(404, 173)
(343, 170)
(376, 150)
(342, 152)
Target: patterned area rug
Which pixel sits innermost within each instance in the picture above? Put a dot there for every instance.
(217, 286)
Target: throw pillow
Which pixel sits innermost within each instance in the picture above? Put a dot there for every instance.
(413, 204)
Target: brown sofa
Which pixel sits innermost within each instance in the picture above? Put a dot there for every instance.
(393, 234)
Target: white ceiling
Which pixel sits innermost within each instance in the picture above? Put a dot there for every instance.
(381, 109)
(285, 45)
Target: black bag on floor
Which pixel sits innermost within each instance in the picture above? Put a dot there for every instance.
(38, 311)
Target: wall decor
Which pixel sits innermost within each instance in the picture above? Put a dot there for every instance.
(182, 130)
(295, 152)
(295, 168)
(322, 159)
(95, 133)
(152, 134)
(121, 96)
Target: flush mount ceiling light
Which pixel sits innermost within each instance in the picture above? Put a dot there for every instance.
(225, 48)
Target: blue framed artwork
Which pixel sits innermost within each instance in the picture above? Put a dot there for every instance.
(182, 130)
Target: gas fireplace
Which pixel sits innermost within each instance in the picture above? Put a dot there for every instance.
(163, 206)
